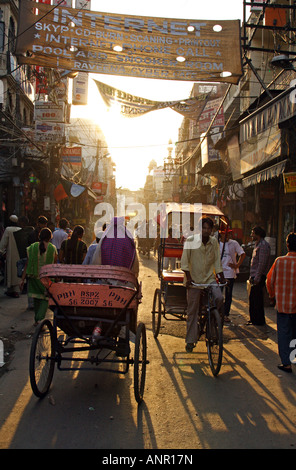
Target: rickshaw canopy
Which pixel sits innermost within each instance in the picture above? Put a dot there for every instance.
(187, 209)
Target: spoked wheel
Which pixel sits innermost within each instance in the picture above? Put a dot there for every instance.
(214, 341)
(156, 312)
(140, 362)
(42, 361)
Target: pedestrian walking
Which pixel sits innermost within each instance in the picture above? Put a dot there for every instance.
(258, 271)
(232, 256)
(60, 234)
(39, 254)
(22, 242)
(201, 264)
(92, 248)
(9, 249)
(74, 249)
(280, 284)
(40, 224)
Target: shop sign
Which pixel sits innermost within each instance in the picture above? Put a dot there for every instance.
(71, 155)
(290, 182)
(80, 89)
(99, 187)
(48, 111)
(79, 221)
(49, 132)
(62, 3)
(206, 117)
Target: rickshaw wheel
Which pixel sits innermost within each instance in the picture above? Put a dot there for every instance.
(214, 341)
(156, 312)
(140, 362)
(42, 361)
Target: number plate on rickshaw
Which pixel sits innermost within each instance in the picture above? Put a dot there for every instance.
(95, 295)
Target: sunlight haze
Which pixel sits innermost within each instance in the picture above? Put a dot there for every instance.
(134, 142)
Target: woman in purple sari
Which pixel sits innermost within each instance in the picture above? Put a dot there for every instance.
(117, 247)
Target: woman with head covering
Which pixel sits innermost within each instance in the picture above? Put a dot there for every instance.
(39, 254)
(117, 247)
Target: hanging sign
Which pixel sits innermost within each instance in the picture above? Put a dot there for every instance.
(48, 111)
(71, 155)
(49, 132)
(80, 89)
(289, 182)
(132, 106)
(125, 45)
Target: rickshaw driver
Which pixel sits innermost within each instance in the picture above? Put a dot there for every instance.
(201, 264)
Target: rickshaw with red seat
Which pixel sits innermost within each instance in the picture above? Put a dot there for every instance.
(84, 299)
(170, 300)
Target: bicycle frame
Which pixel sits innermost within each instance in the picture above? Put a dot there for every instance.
(210, 318)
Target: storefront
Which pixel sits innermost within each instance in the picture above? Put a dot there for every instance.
(267, 151)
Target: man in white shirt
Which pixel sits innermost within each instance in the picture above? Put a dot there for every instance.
(60, 234)
(232, 256)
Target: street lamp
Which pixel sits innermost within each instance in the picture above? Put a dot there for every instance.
(283, 61)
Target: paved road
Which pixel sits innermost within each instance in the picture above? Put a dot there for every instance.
(249, 405)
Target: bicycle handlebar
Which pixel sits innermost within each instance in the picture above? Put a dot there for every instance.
(208, 285)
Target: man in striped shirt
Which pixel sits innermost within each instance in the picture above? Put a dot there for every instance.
(281, 286)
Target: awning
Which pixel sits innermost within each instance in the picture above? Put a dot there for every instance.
(275, 112)
(213, 168)
(264, 175)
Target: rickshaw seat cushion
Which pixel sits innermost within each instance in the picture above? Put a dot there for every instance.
(173, 276)
(173, 251)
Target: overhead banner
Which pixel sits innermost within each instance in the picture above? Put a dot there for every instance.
(132, 106)
(134, 46)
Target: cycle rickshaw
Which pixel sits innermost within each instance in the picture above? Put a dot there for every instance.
(83, 297)
(169, 300)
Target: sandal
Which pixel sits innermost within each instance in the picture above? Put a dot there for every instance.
(285, 368)
(12, 294)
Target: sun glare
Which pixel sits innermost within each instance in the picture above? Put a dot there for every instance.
(132, 142)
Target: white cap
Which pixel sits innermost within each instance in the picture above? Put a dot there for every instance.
(13, 218)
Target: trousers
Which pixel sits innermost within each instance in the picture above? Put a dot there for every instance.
(286, 328)
(256, 303)
(228, 296)
(193, 302)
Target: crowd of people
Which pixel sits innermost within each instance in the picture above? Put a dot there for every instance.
(216, 257)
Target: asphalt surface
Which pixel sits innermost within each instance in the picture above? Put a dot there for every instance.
(251, 404)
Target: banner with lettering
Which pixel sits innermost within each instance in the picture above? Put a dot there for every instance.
(132, 106)
(125, 45)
